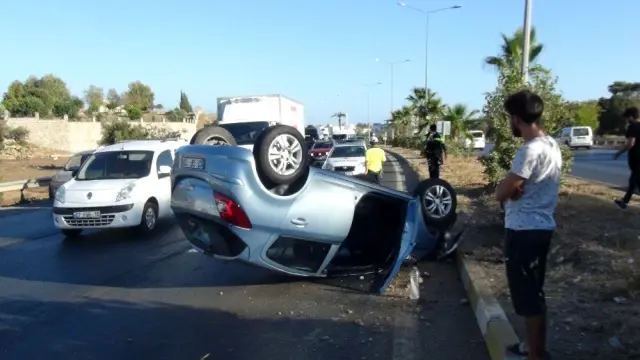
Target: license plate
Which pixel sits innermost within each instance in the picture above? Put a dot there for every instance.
(192, 163)
(86, 215)
(349, 173)
(581, 138)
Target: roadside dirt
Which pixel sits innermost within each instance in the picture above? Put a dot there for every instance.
(593, 276)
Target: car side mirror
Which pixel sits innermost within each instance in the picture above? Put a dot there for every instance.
(74, 173)
(164, 171)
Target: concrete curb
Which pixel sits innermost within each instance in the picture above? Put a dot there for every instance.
(494, 325)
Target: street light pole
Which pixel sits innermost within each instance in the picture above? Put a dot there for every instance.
(369, 86)
(426, 40)
(392, 65)
(526, 46)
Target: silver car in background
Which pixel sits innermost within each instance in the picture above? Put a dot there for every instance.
(348, 158)
(68, 171)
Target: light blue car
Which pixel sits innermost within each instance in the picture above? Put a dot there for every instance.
(270, 209)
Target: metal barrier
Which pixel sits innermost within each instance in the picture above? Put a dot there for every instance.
(20, 185)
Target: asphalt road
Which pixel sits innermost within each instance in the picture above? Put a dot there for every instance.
(113, 295)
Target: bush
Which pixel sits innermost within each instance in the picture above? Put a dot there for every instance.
(454, 147)
(116, 131)
(133, 113)
(556, 115)
(19, 134)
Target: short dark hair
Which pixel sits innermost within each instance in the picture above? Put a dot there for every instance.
(526, 105)
(433, 127)
(631, 112)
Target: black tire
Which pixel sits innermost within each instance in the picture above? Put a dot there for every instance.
(204, 135)
(147, 227)
(266, 171)
(442, 221)
(71, 233)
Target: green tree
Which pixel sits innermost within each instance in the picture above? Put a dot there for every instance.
(36, 95)
(556, 115)
(401, 120)
(113, 99)
(133, 112)
(512, 52)
(176, 115)
(426, 106)
(139, 95)
(94, 98)
(184, 103)
(585, 113)
(70, 107)
(623, 95)
(116, 131)
(339, 115)
(460, 117)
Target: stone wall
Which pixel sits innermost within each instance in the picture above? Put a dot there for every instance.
(74, 136)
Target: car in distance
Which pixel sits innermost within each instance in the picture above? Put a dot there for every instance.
(319, 151)
(68, 171)
(476, 140)
(231, 206)
(127, 184)
(347, 158)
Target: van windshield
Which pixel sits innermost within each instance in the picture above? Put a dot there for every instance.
(116, 165)
(477, 134)
(581, 132)
(245, 133)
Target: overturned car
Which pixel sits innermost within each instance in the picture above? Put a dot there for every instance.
(270, 209)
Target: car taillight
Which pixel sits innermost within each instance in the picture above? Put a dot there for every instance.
(231, 212)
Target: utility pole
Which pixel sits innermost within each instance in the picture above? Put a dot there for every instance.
(526, 46)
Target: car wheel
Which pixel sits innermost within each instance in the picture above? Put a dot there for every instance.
(213, 135)
(281, 155)
(438, 201)
(149, 218)
(71, 233)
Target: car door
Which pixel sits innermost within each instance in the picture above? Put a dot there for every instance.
(322, 211)
(163, 189)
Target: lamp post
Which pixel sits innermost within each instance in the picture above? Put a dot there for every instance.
(392, 65)
(526, 46)
(369, 86)
(426, 39)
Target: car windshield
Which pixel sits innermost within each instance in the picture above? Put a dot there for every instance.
(348, 151)
(116, 165)
(581, 132)
(322, 145)
(74, 163)
(245, 133)
(477, 134)
(339, 137)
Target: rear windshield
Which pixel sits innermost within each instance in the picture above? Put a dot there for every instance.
(477, 134)
(348, 151)
(339, 137)
(581, 132)
(245, 133)
(323, 145)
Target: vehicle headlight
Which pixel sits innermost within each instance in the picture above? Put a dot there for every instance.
(124, 193)
(60, 195)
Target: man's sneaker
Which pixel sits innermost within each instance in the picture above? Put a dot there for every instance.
(621, 204)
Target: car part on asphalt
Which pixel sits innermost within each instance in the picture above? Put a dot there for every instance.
(213, 135)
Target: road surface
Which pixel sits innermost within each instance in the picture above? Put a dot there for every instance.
(113, 295)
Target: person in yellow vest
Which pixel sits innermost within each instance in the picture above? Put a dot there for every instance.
(375, 158)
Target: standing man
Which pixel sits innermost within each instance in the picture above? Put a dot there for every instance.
(632, 115)
(374, 158)
(530, 194)
(435, 151)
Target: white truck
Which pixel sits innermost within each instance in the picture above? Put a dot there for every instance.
(245, 117)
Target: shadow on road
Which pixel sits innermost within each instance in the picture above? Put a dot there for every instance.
(411, 178)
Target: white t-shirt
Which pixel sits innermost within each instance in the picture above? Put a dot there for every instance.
(539, 162)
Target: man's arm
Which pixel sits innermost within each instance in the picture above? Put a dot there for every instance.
(631, 140)
(511, 187)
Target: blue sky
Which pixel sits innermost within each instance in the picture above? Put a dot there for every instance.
(319, 52)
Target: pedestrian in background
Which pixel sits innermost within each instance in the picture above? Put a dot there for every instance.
(435, 152)
(530, 195)
(632, 115)
(374, 158)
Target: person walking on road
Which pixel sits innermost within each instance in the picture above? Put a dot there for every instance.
(530, 195)
(374, 158)
(632, 115)
(435, 151)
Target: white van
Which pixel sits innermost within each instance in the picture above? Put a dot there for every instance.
(576, 137)
(478, 142)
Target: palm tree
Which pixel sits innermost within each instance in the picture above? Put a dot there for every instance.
(459, 116)
(426, 105)
(339, 115)
(401, 119)
(511, 53)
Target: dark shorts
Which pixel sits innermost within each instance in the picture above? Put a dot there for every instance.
(525, 254)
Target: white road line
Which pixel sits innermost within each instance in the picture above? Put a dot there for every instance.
(405, 323)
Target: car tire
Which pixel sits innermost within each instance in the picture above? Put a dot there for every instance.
(213, 135)
(71, 234)
(149, 218)
(428, 192)
(268, 167)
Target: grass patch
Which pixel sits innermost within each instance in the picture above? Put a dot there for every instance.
(593, 276)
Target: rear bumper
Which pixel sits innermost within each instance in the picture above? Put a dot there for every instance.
(212, 237)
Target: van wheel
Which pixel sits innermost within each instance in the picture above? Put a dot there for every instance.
(438, 202)
(213, 135)
(281, 155)
(149, 218)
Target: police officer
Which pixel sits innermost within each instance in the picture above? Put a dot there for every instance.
(435, 151)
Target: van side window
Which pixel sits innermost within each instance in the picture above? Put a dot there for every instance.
(165, 159)
(566, 132)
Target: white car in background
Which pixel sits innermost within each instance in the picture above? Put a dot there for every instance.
(347, 158)
(127, 184)
(477, 140)
(576, 137)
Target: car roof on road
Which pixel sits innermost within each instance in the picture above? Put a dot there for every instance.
(145, 145)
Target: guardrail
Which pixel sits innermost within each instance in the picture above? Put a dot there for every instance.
(21, 185)
(609, 141)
